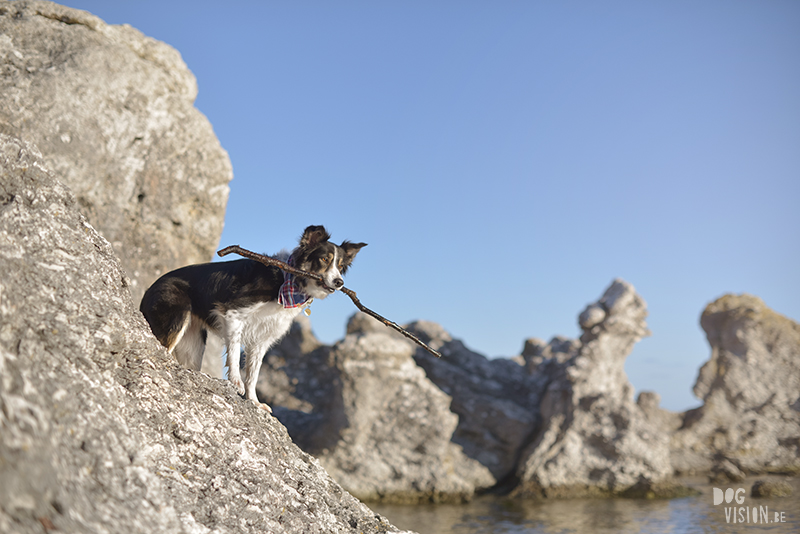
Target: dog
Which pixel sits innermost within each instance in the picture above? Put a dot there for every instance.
(244, 302)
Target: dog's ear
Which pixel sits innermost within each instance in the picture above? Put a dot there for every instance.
(314, 235)
(350, 251)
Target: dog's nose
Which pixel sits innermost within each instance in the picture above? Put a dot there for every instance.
(338, 282)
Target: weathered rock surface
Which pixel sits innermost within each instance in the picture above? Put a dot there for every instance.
(666, 420)
(594, 440)
(770, 488)
(557, 421)
(750, 418)
(369, 414)
(497, 401)
(113, 113)
(560, 420)
(100, 430)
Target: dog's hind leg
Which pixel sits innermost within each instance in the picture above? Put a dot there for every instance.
(191, 344)
(173, 333)
(167, 308)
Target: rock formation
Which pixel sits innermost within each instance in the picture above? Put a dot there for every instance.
(370, 415)
(770, 488)
(559, 421)
(113, 113)
(594, 440)
(100, 430)
(497, 401)
(750, 418)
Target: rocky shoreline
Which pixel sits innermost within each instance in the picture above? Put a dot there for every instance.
(101, 430)
(558, 421)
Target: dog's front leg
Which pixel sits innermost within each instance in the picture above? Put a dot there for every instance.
(234, 349)
(252, 365)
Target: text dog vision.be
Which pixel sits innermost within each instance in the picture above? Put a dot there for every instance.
(744, 514)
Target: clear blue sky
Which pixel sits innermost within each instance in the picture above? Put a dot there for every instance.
(507, 160)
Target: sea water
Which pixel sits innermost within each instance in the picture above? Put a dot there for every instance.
(742, 514)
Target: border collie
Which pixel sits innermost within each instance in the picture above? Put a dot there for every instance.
(244, 302)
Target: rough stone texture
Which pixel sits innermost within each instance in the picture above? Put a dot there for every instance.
(750, 418)
(496, 400)
(594, 440)
(666, 420)
(100, 429)
(770, 488)
(369, 414)
(724, 470)
(560, 417)
(112, 112)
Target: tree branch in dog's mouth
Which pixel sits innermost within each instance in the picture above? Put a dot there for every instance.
(266, 260)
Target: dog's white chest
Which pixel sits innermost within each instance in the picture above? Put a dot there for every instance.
(262, 323)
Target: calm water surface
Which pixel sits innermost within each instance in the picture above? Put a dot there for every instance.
(496, 515)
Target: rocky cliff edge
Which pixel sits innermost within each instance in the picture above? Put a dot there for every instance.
(101, 430)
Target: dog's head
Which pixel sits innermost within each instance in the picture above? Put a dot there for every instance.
(316, 254)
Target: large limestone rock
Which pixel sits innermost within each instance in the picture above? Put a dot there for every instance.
(100, 430)
(497, 401)
(750, 418)
(370, 415)
(113, 113)
(560, 420)
(594, 439)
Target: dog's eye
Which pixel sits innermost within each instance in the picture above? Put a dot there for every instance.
(325, 260)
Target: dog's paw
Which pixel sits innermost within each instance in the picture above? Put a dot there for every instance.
(251, 396)
(238, 384)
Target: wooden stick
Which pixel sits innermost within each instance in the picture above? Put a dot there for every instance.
(266, 260)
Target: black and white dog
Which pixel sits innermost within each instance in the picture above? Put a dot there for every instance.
(244, 302)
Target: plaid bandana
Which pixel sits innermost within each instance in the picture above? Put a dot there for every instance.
(290, 294)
